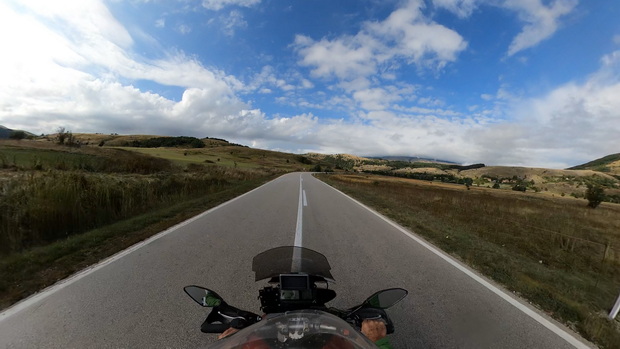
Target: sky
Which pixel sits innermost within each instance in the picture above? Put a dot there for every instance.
(502, 82)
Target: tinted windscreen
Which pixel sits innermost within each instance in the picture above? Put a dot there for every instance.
(290, 259)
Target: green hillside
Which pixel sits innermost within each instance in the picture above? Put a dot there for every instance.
(604, 164)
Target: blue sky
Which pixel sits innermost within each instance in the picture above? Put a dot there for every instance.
(504, 82)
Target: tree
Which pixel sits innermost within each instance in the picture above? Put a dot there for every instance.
(65, 137)
(468, 182)
(595, 195)
(18, 135)
(62, 135)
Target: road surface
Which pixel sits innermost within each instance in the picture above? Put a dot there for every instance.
(136, 299)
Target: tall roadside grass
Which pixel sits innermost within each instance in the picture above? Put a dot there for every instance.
(23, 273)
(557, 253)
(54, 223)
(39, 208)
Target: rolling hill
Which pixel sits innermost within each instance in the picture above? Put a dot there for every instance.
(609, 164)
(218, 152)
(5, 132)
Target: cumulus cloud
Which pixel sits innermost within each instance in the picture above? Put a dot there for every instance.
(217, 5)
(417, 39)
(51, 78)
(345, 58)
(573, 123)
(405, 35)
(84, 82)
(541, 20)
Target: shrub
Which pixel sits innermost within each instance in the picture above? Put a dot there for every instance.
(595, 195)
(18, 135)
(170, 142)
(62, 135)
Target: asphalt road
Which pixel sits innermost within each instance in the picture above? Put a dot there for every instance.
(136, 300)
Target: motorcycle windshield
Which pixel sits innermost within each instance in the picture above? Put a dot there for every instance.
(297, 329)
(290, 259)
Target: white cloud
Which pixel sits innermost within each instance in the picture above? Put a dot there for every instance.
(305, 83)
(160, 23)
(542, 21)
(269, 78)
(184, 29)
(51, 78)
(217, 5)
(375, 98)
(83, 82)
(572, 124)
(405, 35)
(232, 22)
(345, 58)
(417, 39)
(462, 8)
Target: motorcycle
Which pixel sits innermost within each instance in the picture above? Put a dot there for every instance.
(295, 314)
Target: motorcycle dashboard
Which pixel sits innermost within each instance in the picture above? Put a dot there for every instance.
(294, 282)
(297, 329)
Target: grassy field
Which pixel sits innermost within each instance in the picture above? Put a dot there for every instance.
(63, 208)
(559, 254)
(228, 156)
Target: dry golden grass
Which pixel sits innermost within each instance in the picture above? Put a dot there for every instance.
(556, 252)
(614, 168)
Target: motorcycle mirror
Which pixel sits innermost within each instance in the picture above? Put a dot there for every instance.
(386, 298)
(203, 296)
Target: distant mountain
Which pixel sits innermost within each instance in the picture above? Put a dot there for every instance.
(411, 159)
(5, 132)
(608, 164)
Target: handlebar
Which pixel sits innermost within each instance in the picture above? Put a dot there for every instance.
(206, 327)
(367, 313)
(224, 316)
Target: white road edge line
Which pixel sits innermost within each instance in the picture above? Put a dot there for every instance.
(305, 199)
(508, 298)
(25, 303)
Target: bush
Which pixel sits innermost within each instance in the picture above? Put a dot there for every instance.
(595, 195)
(62, 135)
(18, 135)
(169, 142)
(304, 160)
